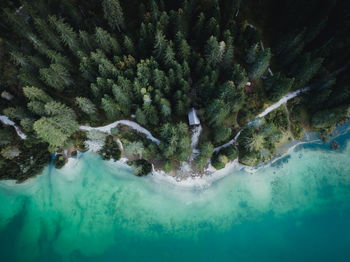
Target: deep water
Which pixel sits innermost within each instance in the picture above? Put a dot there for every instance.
(296, 209)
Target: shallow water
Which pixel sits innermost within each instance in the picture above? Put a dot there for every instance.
(296, 209)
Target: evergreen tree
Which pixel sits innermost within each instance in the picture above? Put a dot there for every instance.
(239, 76)
(261, 64)
(47, 34)
(19, 59)
(86, 105)
(58, 126)
(252, 53)
(184, 50)
(305, 69)
(205, 152)
(109, 107)
(221, 134)
(278, 85)
(141, 117)
(114, 14)
(33, 93)
(151, 114)
(67, 34)
(87, 41)
(129, 46)
(160, 44)
(122, 99)
(213, 51)
(169, 56)
(103, 39)
(56, 76)
(227, 60)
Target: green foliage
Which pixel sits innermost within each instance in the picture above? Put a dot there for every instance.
(86, 105)
(205, 152)
(66, 32)
(188, 54)
(56, 76)
(114, 14)
(33, 93)
(261, 64)
(110, 149)
(277, 86)
(141, 167)
(109, 107)
(252, 53)
(213, 51)
(305, 69)
(219, 161)
(58, 126)
(221, 134)
(176, 141)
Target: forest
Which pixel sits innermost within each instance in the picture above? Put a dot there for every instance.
(67, 63)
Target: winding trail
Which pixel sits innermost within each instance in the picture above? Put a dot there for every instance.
(272, 107)
(6, 121)
(132, 124)
(283, 100)
(196, 133)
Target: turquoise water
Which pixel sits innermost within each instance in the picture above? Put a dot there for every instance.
(296, 209)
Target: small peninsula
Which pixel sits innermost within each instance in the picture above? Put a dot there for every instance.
(175, 86)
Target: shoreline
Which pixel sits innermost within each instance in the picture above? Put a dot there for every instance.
(210, 174)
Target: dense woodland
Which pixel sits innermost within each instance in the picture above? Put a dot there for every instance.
(70, 62)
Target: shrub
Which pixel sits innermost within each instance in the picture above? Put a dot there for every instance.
(110, 149)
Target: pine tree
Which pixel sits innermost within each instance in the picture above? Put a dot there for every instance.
(103, 39)
(213, 51)
(151, 114)
(261, 64)
(114, 14)
(109, 107)
(129, 46)
(252, 53)
(141, 117)
(33, 93)
(47, 34)
(205, 152)
(87, 41)
(165, 108)
(154, 10)
(122, 99)
(199, 27)
(184, 50)
(213, 27)
(56, 76)
(67, 34)
(86, 105)
(305, 69)
(57, 58)
(159, 77)
(227, 60)
(163, 22)
(58, 126)
(239, 76)
(221, 134)
(278, 85)
(37, 107)
(18, 58)
(160, 45)
(169, 56)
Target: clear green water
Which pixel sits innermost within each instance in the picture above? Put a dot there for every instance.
(297, 209)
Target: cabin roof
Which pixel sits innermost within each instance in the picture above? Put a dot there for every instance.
(193, 118)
